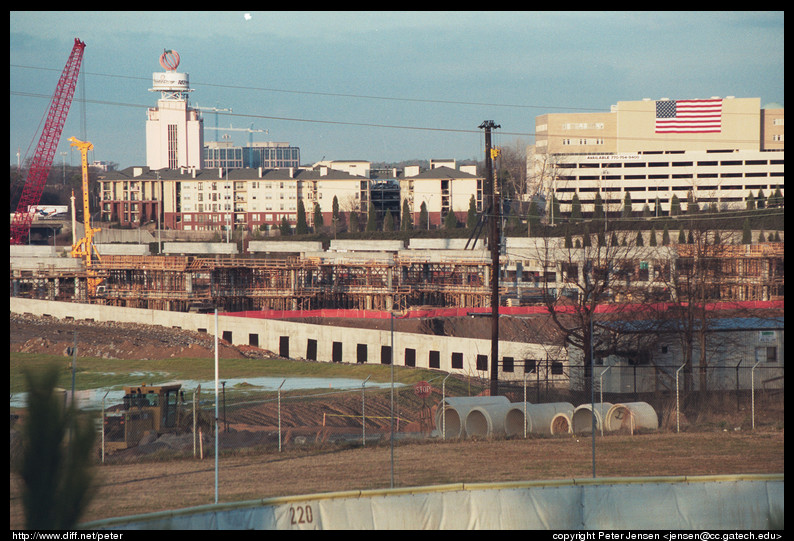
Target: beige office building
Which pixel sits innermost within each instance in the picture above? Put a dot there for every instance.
(717, 149)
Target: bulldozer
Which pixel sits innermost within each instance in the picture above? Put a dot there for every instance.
(145, 410)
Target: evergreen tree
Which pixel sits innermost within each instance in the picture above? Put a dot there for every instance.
(576, 209)
(406, 221)
(336, 217)
(598, 207)
(746, 232)
(665, 236)
(750, 201)
(56, 463)
(568, 241)
(652, 240)
(301, 227)
(319, 222)
(627, 212)
(372, 219)
(646, 211)
(424, 217)
(681, 237)
(760, 200)
(388, 222)
(285, 228)
(675, 206)
(450, 221)
(586, 237)
(639, 241)
(471, 214)
(354, 226)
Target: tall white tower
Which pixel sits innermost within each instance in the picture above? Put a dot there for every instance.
(174, 131)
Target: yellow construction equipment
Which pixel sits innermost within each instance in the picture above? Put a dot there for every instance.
(85, 246)
(146, 410)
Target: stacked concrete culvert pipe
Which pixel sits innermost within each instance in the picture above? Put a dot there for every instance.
(582, 419)
(539, 418)
(453, 411)
(631, 416)
(486, 420)
(561, 424)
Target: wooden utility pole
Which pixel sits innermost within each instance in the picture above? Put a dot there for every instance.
(494, 219)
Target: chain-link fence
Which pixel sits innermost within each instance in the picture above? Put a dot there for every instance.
(168, 422)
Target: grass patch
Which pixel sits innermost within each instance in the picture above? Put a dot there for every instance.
(94, 373)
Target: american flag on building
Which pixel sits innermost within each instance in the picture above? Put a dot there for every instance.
(689, 116)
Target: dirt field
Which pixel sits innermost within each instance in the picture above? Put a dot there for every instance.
(141, 487)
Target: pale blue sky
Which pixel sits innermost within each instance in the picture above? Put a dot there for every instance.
(382, 86)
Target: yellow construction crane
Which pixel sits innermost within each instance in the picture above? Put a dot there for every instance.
(85, 246)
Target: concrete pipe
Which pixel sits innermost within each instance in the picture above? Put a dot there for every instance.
(539, 417)
(631, 416)
(486, 421)
(454, 410)
(582, 420)
(561, 424)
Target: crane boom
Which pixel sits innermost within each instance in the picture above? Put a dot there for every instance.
(48, 143)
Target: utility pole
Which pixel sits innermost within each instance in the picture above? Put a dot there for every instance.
(493, 213)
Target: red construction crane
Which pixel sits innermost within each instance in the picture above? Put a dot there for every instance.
(48, 143)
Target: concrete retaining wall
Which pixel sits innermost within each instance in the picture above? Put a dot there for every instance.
(291, 339)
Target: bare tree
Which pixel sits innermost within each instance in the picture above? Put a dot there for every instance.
(588, 277)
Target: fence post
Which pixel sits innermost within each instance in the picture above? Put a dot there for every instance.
(363, 417)
(677, 425)
(279, 415)
(752, 392)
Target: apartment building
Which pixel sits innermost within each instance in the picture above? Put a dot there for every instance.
(213, 198)
(714, 151)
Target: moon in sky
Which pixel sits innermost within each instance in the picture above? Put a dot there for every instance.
(247, 16)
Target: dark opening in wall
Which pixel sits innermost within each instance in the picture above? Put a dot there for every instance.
(457, 360)
(336, 352)
(482, 362)
(311, 349)
(361, 353)
(283, 346)
(385, 355)
(253, 340)
(434, 359)
(410, 357)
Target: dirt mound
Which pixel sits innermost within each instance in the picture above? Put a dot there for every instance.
(111, 340)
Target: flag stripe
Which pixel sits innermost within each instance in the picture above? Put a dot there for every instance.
(689, 116)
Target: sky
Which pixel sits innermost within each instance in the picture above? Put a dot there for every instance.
(378, 86)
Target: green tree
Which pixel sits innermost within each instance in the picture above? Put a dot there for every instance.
(406, 221)
(388, 222)
(576, 209)
(640, 241)
(372, 218)
(450, 221)
(285, 228)
(301, 227)
(354, 222)
(760, 200)
(750, 201)
(56, 460)
(471, 214)
(424, 217)
(319, 222)
(665, 236)
(598, 207)
(652, 240)
(746, 232)
(336, 218)
(675, 206)
(568, 240)
(586, 243)
(627, 206)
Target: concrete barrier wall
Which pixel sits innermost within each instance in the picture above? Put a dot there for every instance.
(273, 335)
(733, 502)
